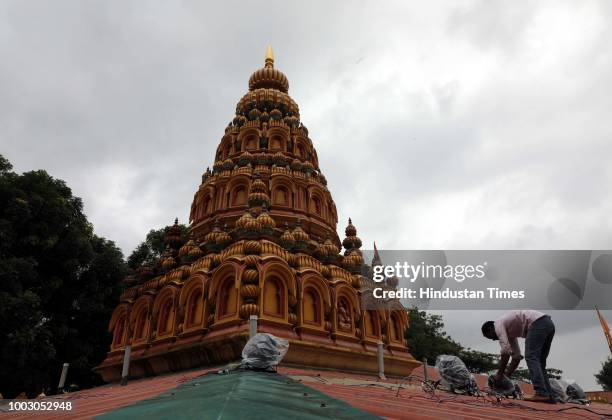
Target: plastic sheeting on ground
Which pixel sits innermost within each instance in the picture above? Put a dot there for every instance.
(456, 374)
(569, 392)
(263, 351)
(506, 387)
(239, 395)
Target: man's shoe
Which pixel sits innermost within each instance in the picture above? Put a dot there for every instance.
(540, 398)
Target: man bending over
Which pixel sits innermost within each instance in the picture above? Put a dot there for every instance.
(538, 331)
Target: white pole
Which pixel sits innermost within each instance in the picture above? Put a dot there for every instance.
(252, 325)
(126, 365)
(425, 368)
(62, 381)
(381, 361)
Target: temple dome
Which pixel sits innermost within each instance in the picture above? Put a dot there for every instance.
(269, 77)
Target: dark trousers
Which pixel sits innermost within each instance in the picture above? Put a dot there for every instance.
(537, 346)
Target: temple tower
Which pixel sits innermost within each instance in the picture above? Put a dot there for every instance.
(262, 242)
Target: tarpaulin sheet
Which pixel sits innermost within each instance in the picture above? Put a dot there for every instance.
(240, 395)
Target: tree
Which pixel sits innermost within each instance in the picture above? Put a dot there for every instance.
(59, 283)
(523, 374)
(478, 361)
(427, 338)
(604, 377)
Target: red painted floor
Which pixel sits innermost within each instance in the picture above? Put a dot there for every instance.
(380, 398)
(365, 392)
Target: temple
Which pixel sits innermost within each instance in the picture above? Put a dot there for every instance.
(262, 241)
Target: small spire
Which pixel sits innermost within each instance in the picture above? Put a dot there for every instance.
(376, 260)
(269, 57)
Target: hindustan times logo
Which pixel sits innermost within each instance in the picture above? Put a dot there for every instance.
(412, 272)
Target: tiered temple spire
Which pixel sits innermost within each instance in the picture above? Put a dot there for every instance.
(262, 241)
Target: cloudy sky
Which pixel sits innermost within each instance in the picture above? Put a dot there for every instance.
(450, 125)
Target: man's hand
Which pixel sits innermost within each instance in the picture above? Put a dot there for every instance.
(498, 377)
(503, 362)
(513, 365)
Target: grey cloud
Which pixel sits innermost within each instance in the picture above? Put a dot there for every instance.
(438, 126)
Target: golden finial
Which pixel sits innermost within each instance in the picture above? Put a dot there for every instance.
(269, 57)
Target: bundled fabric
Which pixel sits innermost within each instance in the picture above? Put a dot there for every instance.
(569, 392)
(453, 371)
(575, 393)
(505, 387)
(558, 390)
(263, 352)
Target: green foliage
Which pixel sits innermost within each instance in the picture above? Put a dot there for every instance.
(152, 247)
(478, 361)
(554, 373)
(604, 377)
(5, 165)
(426, 336)
(59, 283)
(524, 375)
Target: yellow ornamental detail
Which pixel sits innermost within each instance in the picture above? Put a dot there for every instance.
(234, 249)
(251, 260)
(340, 273)
(201, 264)
(270, 248)
(306, 261)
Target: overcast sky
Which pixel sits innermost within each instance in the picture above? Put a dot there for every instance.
(442, 125)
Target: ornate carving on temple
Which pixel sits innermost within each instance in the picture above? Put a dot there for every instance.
(345, 321)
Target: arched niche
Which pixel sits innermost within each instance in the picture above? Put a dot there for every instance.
(312, 307)
(396, 327)
(224, 291)
(315, 299)
(332, 217)
(347, 308)
(227, 299)
(281, 196)
(371, 324)
(227, 149)
(282, 191)
(277, 143)
(238, 191)
(301, 148)
(277, 139)
(277, 283)
(140, 319)
(317, 202)
(208, 200)
(274, 297)
(192, 300)
(302, 199)
(238, 195)
(163, 310)
(249, 138)
(118, 326)
(280, 269)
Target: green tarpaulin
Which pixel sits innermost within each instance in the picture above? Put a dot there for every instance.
(240, 395)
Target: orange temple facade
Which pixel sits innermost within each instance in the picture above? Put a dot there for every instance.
(262, 241)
